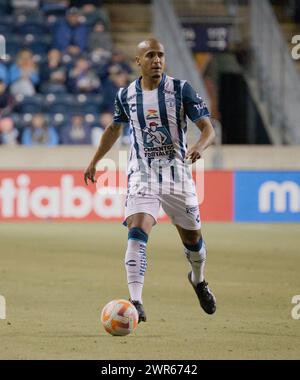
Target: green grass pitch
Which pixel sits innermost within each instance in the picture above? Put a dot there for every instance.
(56, 277)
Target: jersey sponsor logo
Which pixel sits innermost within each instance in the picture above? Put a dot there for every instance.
(200, 106)
(157, 141)
(155, 135)
(152, 114)
(158, 151)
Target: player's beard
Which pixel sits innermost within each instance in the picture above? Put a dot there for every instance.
(156, 76)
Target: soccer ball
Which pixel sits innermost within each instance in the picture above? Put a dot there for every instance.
(119, 317)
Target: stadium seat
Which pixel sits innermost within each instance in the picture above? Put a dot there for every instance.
(37, 44)
(17, 118)
(28, 27)
(32, 104)
(57, 108)
(57, 120)
(88, 103)
(38, 47)
(5, 25)
(21, 121)
(60, 104)
(33, 29)
(52, 21)
(66, 99)
(54, 9)
(91, 119)
(35, 16)
(13, 44)
(90, 108)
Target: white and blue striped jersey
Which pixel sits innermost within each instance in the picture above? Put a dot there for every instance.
(157, 118)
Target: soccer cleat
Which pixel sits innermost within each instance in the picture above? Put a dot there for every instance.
(140, 309)
(206, 298)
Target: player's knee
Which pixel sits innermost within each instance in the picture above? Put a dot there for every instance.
(192, 238)
(137, 233)
(195, 247)
(143, 221)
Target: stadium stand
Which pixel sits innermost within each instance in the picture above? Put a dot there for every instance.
(71, 56)
(61, 63)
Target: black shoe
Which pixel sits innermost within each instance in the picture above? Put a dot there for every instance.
(206, 298)
(140, 309)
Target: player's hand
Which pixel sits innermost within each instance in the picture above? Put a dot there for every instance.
(89, 174)
(194, 153)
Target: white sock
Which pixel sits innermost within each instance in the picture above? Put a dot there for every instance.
(136, 265)
(197, 261)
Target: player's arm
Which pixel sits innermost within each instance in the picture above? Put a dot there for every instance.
(196, 109)
(109, 137)
(207, 138)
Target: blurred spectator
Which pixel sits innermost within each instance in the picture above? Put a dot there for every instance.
(4, 96)
(53, 76)
(101, 58)
(39, 133)
(24, 74)
(105, 119)
(77, 132)
(70, 35)
(96, 134)
(82, 78)
(119, 58)
(4, 77)
(93, 14)
(8, 133)
(66, 69)
(117, 78)
(99, 38)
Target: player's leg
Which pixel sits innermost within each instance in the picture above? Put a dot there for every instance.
(139, 228)
(184, 213)
(141, 220)
(195, 252)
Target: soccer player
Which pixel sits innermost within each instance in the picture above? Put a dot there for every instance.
(156, 106)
